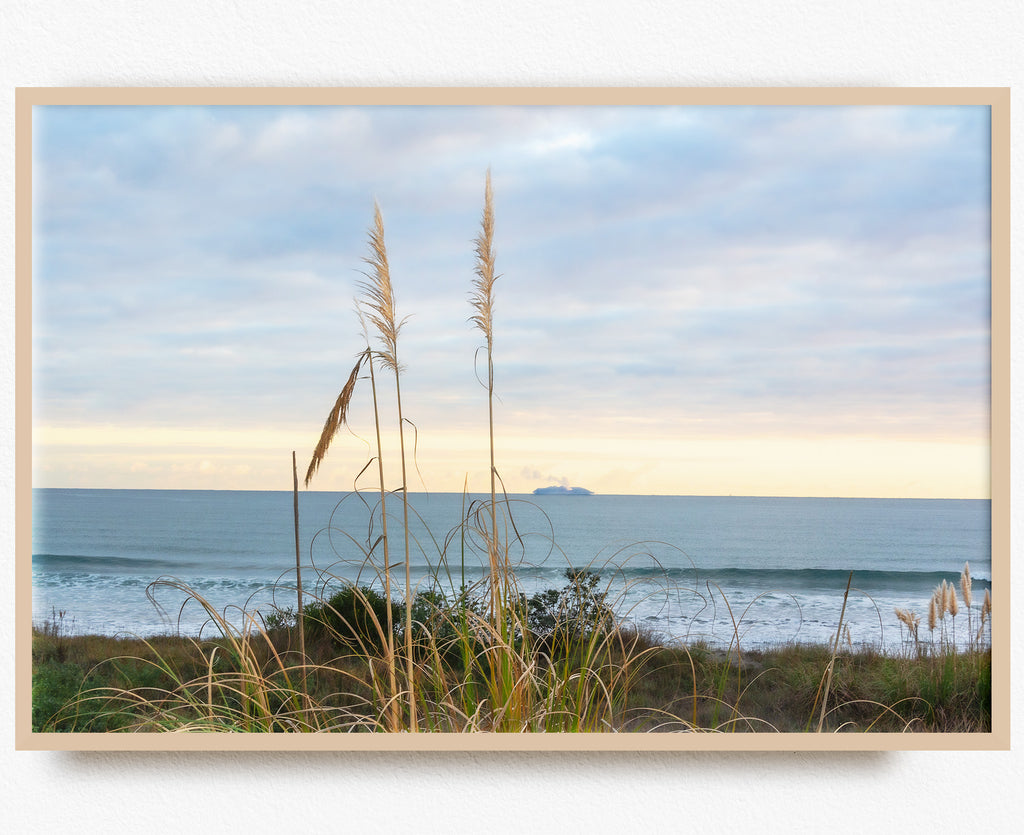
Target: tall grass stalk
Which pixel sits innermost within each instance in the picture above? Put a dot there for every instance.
(335, 420)
(298, 563)
(509, 671)
(827, 684)
(965, 591)
(954, 609)
(393, 711)
(734, 642)
(379, 306)
(986, 614)
(941, 601)
(482, 300)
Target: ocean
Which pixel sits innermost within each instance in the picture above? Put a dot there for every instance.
(765, 570)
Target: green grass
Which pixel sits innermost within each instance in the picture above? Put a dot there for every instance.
(620, 681)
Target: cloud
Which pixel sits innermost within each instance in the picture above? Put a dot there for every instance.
(665, 270)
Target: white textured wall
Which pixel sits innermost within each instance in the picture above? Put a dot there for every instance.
(526, 43)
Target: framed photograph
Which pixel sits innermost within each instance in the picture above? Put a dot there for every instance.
(512, 419)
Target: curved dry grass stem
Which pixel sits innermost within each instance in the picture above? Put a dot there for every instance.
(335, 420)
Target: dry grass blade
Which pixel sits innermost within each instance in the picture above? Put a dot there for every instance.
(379, 296)
(832, 662)
(335, 420)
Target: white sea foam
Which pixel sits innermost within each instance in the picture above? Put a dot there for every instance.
(765, 570)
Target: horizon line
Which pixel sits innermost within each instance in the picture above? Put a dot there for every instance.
(428, 493)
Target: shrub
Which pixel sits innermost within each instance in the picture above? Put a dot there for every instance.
(559, 618)
(438, 623)
(354, 618)
(280, 618)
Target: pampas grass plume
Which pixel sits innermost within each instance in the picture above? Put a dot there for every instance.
(335, 420)
(482, 299)
(911, 619)
(951, 604)
(940, 600)
(965, 585)
(379, 295)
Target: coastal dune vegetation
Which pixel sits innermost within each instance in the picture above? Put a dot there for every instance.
(382, 654)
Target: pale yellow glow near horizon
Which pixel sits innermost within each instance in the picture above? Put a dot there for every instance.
(260, 459)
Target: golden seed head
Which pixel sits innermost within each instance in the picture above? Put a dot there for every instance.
(911, 619)
(939, 596)
(335, 420)
(965, 585)
(951, 604)
(482, 298)
(379, 296)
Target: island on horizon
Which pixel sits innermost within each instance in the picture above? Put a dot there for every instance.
(562, 490)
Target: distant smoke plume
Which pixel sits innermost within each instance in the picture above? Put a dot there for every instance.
(538, 475)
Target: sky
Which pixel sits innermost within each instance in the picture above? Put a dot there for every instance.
(694, 300)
